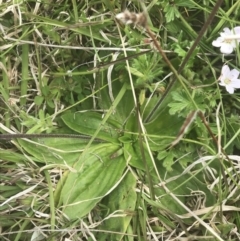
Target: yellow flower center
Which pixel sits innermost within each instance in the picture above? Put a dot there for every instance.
(228, 41)
(227, 81)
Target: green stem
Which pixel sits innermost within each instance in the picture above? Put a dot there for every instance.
(51, 202)
(25, 63)
(5, 89)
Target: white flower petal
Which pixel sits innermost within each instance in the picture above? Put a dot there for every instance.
(234, 43)
(235, 84)
(221, 79)
(228, 41)
(236, 30)
(233, 74)
(227, 31)
(218, 42)
(225, 70)
(230, 89)
(226, 48)
(229, 79)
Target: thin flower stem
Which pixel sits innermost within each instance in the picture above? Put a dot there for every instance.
(190, 118)
(175, 72)
(201, 115)
(200, 35)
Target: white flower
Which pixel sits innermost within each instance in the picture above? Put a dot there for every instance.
(229, 79)
(228, 40)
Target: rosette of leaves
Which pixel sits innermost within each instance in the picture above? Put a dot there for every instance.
(97, 177)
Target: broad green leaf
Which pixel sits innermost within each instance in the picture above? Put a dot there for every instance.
(95, 176)
(164, 125)
(183, 186)
(121, 201)
(54, 150)
(87, 123)
(132, 153)
(161, 108)
(125, 107)
(10, 156)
